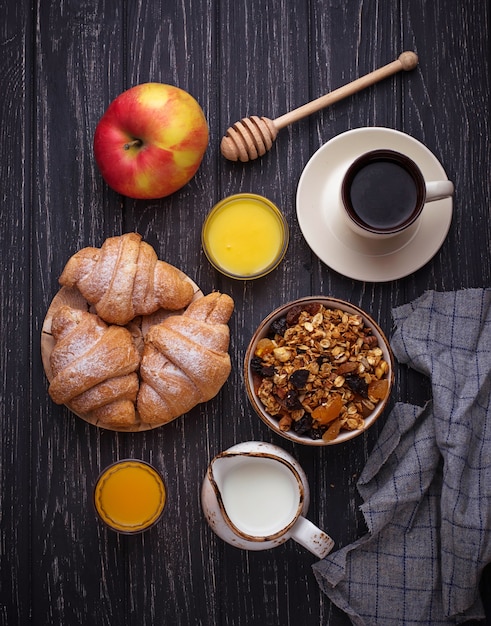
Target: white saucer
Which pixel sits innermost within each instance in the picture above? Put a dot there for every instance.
(323, 226)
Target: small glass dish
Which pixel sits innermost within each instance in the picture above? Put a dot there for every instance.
(245, 236)
(129, 496)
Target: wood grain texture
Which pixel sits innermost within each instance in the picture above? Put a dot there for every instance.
(62, 64)
(15, 238)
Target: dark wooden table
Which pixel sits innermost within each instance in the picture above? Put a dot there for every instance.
(61, 65)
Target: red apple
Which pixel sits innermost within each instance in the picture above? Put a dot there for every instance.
(150, 141)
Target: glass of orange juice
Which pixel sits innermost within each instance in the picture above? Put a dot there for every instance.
(129, 496)
(245, 236)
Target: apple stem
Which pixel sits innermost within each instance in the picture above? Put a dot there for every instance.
(133, 143)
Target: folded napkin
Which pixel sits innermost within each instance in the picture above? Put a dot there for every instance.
(426, 487)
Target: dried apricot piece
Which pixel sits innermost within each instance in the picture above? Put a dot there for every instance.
(264, 346)
(378, 388)
(333, 431)
(326, 413)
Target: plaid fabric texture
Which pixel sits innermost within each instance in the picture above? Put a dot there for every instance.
(427, 484)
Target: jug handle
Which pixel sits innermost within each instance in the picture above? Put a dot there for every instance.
(312, 538)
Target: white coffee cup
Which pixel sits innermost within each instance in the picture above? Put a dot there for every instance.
(383, 193)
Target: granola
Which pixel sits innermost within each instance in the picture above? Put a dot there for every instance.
(319, 371)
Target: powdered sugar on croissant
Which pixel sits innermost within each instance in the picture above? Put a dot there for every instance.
(185, 359)
(124, 279)
(94, 368)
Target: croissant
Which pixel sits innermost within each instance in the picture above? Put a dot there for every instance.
(185, 359)
(124, 279)
(94, 368)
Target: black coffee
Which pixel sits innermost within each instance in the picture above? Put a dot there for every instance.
(383, 195)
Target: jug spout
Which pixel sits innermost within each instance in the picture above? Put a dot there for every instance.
(250, 465)
(218, 469)
(235, 461)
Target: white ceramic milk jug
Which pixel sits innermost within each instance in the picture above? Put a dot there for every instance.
(255, 496)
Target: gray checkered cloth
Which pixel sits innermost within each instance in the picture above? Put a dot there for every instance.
(426, 487)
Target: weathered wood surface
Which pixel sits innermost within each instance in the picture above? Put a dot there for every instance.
(61, 65)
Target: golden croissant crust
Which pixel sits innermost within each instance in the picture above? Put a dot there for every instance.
(124, 279)
(185, 359)
(99, 373)
(94, 368)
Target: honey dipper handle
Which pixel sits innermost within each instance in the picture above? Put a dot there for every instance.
(406, 61)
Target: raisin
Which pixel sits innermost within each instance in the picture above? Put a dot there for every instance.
(257, 366)
(313, 308)
(316, 433)
(278, 327)
(299, 378)
(303, 425)
(292, 402)
(357, 385)
(293, 314)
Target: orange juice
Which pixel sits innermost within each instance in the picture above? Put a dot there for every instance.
(129, 496)
(245, 236)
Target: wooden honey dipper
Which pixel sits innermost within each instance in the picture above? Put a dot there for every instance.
(253, 136)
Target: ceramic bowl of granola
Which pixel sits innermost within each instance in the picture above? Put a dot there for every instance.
(318, 371)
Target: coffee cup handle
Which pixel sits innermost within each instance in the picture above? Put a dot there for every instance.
(312, 538)
(438, 190)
